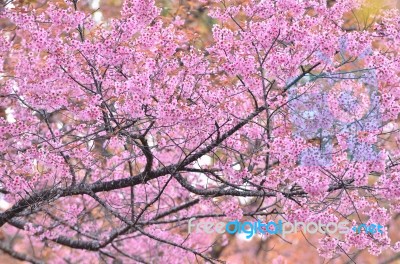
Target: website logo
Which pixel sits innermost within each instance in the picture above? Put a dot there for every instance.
(280, 227)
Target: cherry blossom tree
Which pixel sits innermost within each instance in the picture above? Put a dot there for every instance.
(117, 133)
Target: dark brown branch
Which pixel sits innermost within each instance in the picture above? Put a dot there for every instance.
(20, 256)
